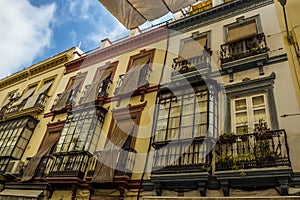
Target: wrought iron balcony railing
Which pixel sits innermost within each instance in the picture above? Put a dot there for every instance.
(44, 166)
(201, 62)
(183, 157)
(38, 103)
(257, 150)
(143, 79)
(125, 163)
(102, 91)
(70, 164)
(243, 48)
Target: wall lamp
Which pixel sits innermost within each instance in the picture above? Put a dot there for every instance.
(289, 37)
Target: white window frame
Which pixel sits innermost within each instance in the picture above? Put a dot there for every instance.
(250, 112)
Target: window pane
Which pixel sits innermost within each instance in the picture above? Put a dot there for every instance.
(258, 101)
(241, 118)
(240, 105)
(259, 114)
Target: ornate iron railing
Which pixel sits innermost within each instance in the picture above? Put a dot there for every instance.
(44, 166)
(143, 79)
(70, 164)
(183, 157)
(243, 48)
(192, 64)
(125, 163)
(102, 91)
(257, 150)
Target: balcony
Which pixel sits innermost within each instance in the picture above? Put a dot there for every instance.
(181, 157)
(257, 150)
(197, 64)
(27, 106)
(143, 80)
(100, 93)
(124, 167)
(245, 53)
(253, 160)
(182, 164)
(70, 164)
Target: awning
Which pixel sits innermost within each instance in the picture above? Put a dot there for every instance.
(133, 13)
(21, 193)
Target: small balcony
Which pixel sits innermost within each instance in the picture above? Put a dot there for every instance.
(70, 164)
(99, 93)
(253, 161)
(257, 150)
(200, 63)
(244, 52)
(124, 167)
(31, 105)
(44, 166)
(143, 80)
(182, 157)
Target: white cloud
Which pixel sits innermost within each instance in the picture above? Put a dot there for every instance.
(25, 32)
(81, 9)
(113, 32)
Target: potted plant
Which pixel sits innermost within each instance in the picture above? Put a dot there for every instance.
(228, 137)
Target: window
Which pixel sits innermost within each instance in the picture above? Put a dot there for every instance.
(193, 47)
(81, 130)
(118, 155)
(100, 84)
(243, 38)
(241, 31)
(39, 98)
(183, 121)
(22, 101)
(257, 94)
(247, 111)
(184, 116)
(69, 95)
(137, 72)
(143, 58)
(14, 137)
(11, 96)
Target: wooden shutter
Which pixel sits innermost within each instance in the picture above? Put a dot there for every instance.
(241, 32)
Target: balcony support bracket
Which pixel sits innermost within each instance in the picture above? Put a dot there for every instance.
(225, 188)
(158, 189)
(202, 188)
(260, 66)
(283, 187)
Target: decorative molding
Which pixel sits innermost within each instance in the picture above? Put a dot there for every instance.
(37, 68)
(120, 48)
(216, 14)
(55, 127)
(248, 87)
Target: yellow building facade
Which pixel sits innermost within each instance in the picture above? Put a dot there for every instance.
(189, 109)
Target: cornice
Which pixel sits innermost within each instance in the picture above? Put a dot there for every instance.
(120, 48)
(38, 68)
(218, 13)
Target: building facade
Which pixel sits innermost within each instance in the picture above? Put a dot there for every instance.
(192, 108)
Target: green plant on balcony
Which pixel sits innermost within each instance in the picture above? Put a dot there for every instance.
(228, 137)
(262, 131)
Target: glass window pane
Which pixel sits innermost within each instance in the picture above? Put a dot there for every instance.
(240, 105)
(258, 101)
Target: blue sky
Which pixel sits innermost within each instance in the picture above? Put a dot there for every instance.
(34, 30)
